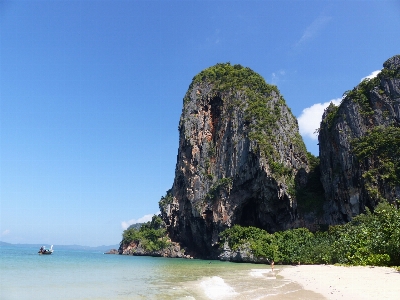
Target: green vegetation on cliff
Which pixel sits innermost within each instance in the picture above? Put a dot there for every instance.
(361, 94)
(262, 107)
(369, 239)
(330, 114)
(165, 200)
(225, 77)
(379, 154)
(223, 183)
(258, 111)
(151, 236)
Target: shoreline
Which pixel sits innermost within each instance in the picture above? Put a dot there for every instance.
(339, 282)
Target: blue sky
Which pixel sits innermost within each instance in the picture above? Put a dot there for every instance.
(91, 95)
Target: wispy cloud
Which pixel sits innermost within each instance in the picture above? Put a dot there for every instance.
(311, 117)
(5, 232)
(372, 75)
(145, 218)
(276, 76)
(214, 38)
(313, 30)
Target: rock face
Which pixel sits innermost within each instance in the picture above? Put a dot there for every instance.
(358, 146)
(243, 254)
(238, 161)
(137, 249)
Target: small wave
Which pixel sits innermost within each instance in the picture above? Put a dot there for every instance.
(282, 285)
(261, 272)
(216, 288)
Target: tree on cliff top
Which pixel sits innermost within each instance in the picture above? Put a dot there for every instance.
(224, 76)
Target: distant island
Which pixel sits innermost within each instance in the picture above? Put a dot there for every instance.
(102, 248)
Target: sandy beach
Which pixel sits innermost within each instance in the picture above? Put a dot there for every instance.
(337, 282)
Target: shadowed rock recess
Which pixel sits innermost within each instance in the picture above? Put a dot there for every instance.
(360, 146)
(239, 161)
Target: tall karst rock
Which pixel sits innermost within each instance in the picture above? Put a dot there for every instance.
(360, 146)
(240, 156)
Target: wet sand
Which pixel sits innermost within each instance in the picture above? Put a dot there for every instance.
(337, 282)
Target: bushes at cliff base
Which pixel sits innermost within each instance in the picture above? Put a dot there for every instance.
(369, 239)
(261, 243)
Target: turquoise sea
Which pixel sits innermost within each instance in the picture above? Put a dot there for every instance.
(69, 274)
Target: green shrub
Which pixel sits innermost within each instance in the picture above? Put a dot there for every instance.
(361, 95)
(293, 245)
(261, 242)
(165, 200)
(368, 235)
(221, 184)
(151, 235)
(330, 115)
(378, 260)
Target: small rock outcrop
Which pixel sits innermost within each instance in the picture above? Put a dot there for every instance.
(243, 254)
(112, 251)
(240, 160)
(359, 146)
(137, 249)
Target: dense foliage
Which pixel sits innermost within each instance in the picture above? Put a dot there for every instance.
(369, 239)
(151, 236)
(224, 76)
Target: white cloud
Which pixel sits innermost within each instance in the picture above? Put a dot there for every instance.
(372, 75)
(145, 218)
(5, 232)
(311, 117)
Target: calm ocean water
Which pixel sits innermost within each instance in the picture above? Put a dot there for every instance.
(93, 275)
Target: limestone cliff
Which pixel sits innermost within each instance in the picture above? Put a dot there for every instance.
(239, 157)
(359, 146)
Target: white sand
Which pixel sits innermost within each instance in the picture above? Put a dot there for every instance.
(335, 282)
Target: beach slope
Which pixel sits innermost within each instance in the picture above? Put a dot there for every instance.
(338, 282)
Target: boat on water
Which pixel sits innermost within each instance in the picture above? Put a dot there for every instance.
(43, 250)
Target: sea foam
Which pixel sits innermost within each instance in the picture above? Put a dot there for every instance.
(216, 288)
